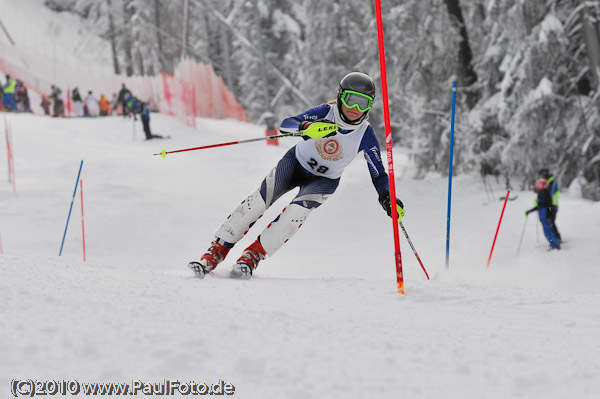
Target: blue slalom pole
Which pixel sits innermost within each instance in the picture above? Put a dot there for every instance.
(71, 208)
(451, 156)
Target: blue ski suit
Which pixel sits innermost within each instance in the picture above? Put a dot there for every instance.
(546, 211)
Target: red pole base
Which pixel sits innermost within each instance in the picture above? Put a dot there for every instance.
(272, 133)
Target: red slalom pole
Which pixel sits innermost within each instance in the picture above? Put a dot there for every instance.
(498, 229)
(7, 146)
(82, 224)
(388, 147)
(164, 153)
(12, 161)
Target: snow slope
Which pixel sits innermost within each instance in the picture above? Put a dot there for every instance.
(321, 319)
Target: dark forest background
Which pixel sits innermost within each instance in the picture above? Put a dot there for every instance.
(527, 71)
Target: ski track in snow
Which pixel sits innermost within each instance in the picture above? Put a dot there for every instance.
(321, 319)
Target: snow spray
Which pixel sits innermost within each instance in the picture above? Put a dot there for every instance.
(388, 147)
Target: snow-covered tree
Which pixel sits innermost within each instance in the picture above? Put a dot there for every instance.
(528, 71)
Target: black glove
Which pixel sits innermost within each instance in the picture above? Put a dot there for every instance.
(303, 126)
(384, 200)
(530, 210)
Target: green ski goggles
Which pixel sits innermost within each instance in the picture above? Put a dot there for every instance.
(354, 99)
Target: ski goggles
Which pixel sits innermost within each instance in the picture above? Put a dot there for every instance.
(354, 99)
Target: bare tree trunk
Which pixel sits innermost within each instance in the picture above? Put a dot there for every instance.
(128, 12)
(592, 42)
(186, 28)
(466, 74)
(158, 35)
(113, 40)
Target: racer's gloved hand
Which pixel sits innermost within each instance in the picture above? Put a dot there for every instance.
(386, 203)
(317, 129)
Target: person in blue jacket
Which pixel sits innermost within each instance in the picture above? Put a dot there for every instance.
(334, 133)
(145, 117)
(543, 206)
(554, 190)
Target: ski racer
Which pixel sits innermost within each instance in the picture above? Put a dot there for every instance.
(334, 133)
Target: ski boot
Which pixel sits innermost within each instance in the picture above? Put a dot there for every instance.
(248, 262)
(213, 256)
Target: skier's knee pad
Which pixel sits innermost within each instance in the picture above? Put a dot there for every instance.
(283, 227)
(242, 218)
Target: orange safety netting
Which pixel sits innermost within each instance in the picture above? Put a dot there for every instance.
(194, 90)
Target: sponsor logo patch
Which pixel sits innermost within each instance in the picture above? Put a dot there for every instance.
(329, 149)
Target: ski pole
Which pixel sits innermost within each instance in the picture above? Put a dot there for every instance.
(537, 232)
(70, 209)
(522, 234)
(413, 248)
(7, 148)
(164, 153)
(12, 160)
(498, 229)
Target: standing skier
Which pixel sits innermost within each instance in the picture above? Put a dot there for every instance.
(76, 97)
(334, 134)
(9, 94)
(552, 184)
(145, 117)
(543, 205)
(123, 97)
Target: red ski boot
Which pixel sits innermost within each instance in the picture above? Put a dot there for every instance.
(213, 256)
(248, 262)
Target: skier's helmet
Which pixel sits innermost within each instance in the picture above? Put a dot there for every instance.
(540, 184)
(356, 90)
(545, 173)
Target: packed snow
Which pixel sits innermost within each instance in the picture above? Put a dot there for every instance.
(321, 318)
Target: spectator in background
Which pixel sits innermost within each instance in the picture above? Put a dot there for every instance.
(57, 100)
(23, 103)
(76, 97)
(92, 105)
(133, 106)
(124, 96)
(45, 104)
(145, 117)
(9, 94)
(114, 103)
(104, 105)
